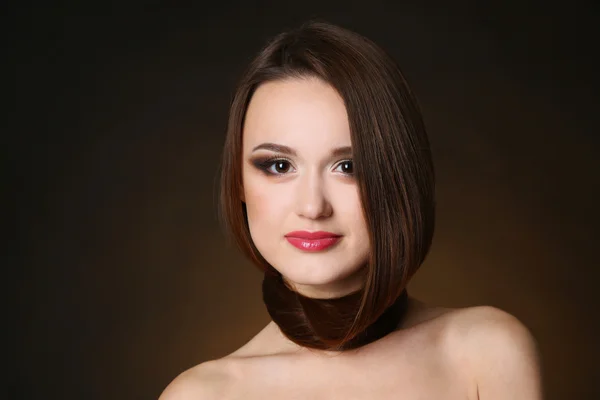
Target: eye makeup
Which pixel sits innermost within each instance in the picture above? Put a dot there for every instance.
(266, 164)
(278, 166)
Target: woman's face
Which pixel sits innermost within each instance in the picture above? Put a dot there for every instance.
(298, 179)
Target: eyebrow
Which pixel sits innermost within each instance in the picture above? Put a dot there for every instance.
(279, 148)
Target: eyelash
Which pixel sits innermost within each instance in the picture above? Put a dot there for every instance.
(265, 165)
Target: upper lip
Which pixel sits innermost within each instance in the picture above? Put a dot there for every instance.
(312, 235)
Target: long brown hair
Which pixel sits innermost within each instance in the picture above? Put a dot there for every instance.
(392, 165)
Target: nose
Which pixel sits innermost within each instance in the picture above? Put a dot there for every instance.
(312, 201)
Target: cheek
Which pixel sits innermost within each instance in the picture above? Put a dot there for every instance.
(350, 211)
(265, 206)
(348, 205)
(257, 207)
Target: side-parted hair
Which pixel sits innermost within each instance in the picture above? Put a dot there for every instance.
(393, 169)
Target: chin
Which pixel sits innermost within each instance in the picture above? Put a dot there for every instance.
(316, 275)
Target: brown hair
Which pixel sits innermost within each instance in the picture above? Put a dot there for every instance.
(393, 168)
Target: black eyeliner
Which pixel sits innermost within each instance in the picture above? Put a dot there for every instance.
(263, 164)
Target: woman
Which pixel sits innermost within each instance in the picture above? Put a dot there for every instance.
(328, 187)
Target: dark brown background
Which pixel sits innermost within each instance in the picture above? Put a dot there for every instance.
(121, 275)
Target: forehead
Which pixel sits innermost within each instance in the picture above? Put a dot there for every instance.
(294, 111)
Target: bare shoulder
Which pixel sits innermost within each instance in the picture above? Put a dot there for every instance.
(474, 320)
(498, 351)
(206, 381)
(475, 327)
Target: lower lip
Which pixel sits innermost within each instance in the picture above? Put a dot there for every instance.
(313, 244)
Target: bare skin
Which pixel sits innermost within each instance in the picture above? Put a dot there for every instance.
(436, 353)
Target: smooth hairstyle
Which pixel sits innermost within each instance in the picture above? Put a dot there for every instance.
(393, 168)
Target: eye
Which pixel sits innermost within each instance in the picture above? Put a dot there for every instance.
(273, 166)
(279, 166)
(346, 167)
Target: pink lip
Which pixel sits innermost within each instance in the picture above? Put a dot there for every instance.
(312, 241)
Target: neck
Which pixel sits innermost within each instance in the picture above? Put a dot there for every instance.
(323, 324)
